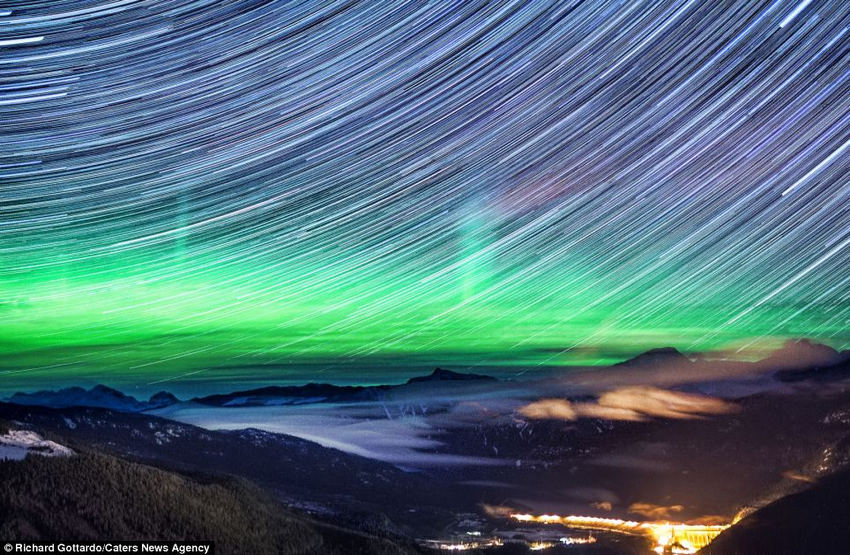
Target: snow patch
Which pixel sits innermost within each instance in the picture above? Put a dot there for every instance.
(16, 444)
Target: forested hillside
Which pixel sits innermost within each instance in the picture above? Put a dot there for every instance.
(96, 496)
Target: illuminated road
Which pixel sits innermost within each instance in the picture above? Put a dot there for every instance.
(668, 537)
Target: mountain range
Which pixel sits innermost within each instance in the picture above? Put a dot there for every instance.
(798, 360)
(106, 397)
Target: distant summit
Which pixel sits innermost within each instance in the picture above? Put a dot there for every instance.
(797, 360)
(329, 393)
(442, 375)
(654, 357)
(797, 353)
(99, 396)
(802, 359)
(285, 395)
(162, 399)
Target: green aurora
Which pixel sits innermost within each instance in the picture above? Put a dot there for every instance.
(211, 325)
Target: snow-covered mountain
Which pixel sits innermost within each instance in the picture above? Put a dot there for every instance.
(17, 444)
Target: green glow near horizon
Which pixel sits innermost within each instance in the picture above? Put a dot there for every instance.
(175, 319)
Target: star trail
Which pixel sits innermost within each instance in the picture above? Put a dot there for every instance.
(195, 190)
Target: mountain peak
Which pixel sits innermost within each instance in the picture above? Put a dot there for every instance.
(443, 375)
(162, 399)
(661, 355)
(107, 391)
(803, 359)
(804, 352)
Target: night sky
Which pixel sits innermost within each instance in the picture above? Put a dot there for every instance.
(202, 193)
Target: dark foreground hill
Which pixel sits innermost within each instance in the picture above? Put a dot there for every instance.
(814, 521)
(358, 492)
(92, 496)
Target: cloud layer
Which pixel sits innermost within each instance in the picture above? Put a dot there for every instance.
(634, 403)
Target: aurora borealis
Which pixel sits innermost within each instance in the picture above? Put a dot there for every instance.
(202, 191)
